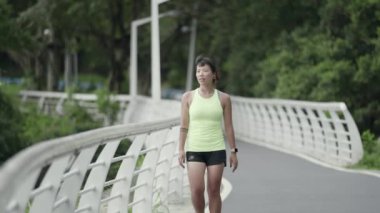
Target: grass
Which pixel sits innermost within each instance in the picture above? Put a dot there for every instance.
(371, 156)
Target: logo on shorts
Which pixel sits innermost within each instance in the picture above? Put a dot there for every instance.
(191, 157)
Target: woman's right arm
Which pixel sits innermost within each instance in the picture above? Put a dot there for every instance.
(183, 128)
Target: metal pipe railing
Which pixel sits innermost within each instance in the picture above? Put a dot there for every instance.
(70, 174)
(325, 131)
(60, 175)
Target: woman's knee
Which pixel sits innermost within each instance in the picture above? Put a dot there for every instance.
(213, 190)
(198, 190)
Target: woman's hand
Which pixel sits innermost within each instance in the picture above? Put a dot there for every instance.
(181, 158)
(233, 161)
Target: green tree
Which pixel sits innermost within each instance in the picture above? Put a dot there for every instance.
(97, 28)
(318, 50)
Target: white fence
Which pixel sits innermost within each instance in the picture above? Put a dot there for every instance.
(131, 109)
(325, 131)
(72, 174)
(69, 174)
(53, 103)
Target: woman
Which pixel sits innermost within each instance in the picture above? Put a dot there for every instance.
(202, 113)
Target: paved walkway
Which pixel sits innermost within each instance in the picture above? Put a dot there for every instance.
(185, 207)
(268, 181)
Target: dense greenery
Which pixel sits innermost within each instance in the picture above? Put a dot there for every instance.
(107, 106)
(318, 50)
(10, 127)
(23, 125)
(371, 157)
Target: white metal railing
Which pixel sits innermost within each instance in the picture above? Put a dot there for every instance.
(53, 102)
(69, 174)
(132, 109)
(325, 131)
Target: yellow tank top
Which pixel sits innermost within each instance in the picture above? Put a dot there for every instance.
(205, 124)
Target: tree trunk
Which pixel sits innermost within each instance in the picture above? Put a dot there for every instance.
(50, 71)
(38, 74)
(68, 70)
(75, 68)
(119, 46)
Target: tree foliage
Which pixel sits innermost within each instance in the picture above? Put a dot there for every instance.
(336, 61)
(320, 50)
(11, 140)
(23, 125)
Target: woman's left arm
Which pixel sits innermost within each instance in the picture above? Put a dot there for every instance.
(230, 134)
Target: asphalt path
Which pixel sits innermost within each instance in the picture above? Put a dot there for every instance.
(269, 181)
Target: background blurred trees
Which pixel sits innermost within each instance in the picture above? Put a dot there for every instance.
(321, 50)
(22, 125)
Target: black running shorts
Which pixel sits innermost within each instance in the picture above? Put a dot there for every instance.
(209, 158)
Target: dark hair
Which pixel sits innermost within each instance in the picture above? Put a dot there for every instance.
(204, 60)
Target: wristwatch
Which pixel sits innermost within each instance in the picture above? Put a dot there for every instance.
(234, 150)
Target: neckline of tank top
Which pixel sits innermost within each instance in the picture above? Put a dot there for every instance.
(199, 94)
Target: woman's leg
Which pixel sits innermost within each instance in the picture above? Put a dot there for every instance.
(196, 173)
(214, 179)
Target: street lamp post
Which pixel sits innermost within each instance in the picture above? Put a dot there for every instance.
(50, 60)
(133, 50)
(155, 51)
(190, 62)
(133, 62)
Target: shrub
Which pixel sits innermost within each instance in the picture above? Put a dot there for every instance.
(107, 106)
(369, 142)
(39, 127)
(11, 140)
(371, 157)
(79, 117)
(22, 125)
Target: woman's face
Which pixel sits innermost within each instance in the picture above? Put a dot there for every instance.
(204, 74)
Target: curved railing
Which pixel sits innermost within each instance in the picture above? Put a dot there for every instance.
(92, 172)
(72, 174)
(49, 102)
(325, 131)
(132, 109)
